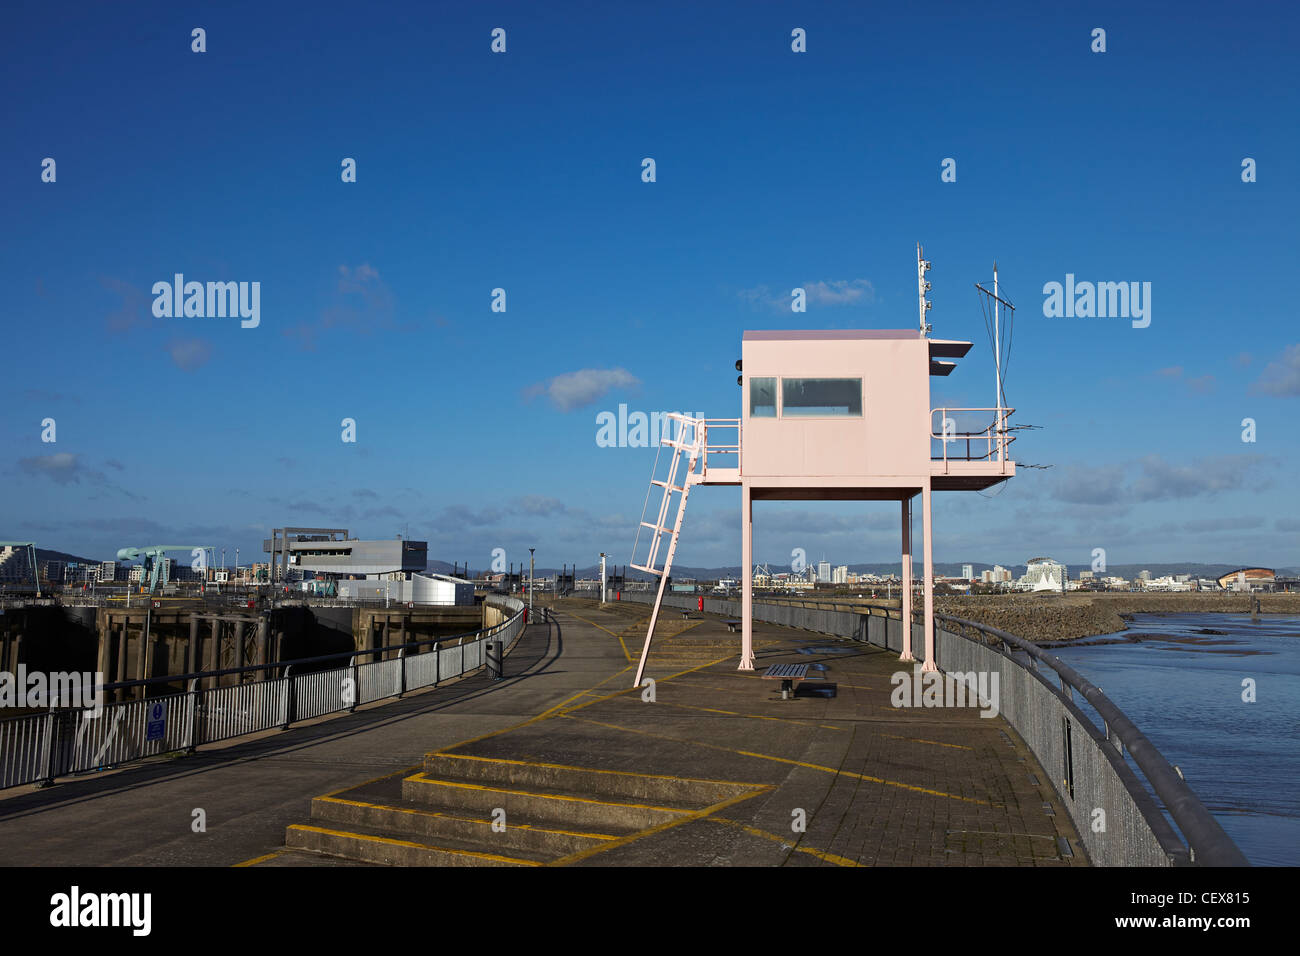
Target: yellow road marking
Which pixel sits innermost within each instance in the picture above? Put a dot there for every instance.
(259, 859)
(667, 825)
(389, 841)
(621, 773)
(459, 785)
(732, 713)
(559, 709)
(626, 652)
(786, 760)
(415, 811)
(937, 743)
(812, 851)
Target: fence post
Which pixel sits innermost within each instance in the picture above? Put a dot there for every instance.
(356, 683)
(401, 673)
(286, 717)
(50, 737)
(191, 734)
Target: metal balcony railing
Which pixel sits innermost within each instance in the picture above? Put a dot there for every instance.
(986, 443)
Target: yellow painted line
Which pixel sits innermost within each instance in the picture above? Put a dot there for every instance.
(458, 785)
(787, 760)
(621, 773)
(626, 652)
(364, 783)
(259, 859)
(532, 720)
(937, 743)
(414, 811)
(668, 825)
(732, 713)
(776, 838)
(389, 841)
(559, 709)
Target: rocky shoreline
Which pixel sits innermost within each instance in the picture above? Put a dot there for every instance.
(1055, 617)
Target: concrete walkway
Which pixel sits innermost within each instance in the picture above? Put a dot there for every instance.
(250, 790)
(576, 767)
(712, 768)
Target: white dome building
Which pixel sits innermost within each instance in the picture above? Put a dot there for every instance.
(1042, 574)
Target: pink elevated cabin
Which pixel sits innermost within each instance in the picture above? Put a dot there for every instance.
(836, 415)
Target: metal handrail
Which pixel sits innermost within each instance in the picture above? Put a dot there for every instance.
(1209, 843)
(298, 661)
(995, 434)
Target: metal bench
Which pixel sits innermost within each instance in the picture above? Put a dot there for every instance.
(789, 675)
(732, 625)
(686, 615)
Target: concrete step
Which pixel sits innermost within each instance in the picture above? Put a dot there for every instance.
(655, 789)
(374, 845)
(462, 829)
(561, 809)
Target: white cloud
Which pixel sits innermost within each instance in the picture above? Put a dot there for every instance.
(1282, 375)
(576, 389)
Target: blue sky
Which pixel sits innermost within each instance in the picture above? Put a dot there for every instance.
(522, 171)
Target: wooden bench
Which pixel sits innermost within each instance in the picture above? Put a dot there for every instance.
(732, 625)
(686, 615)
(789, 675)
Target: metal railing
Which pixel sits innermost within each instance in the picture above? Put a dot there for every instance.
(1084, 759)
(994, 436)
(41, 747)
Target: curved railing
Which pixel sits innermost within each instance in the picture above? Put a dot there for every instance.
(44, 746)
(1085, 761)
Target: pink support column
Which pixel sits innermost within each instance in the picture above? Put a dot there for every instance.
(747, 580)
(928, 534)
(907, 581)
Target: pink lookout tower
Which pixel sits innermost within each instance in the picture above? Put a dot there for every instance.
(835, 415)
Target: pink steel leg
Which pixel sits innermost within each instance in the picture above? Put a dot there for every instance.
(928, 531)
(747, 586)
(907, 581)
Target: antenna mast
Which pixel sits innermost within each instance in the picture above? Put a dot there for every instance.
(922, 287)
(997, 342)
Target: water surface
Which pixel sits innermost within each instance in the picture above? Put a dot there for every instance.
(1183, 688)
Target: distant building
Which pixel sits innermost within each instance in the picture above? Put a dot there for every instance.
(968, 572)
(1248, 579)
(840, 575)
(1144, 575)
(1042, 574)
(824, 571)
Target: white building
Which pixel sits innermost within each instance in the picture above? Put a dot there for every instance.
(968, 572)
(824, 571)
(435, 589)
(1042, 574)
(840, 575)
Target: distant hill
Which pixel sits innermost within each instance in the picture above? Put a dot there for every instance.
(941, 569)
(42, 555)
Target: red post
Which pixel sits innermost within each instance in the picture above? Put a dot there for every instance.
(701, 604)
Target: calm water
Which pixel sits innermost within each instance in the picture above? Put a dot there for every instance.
(1183, 690)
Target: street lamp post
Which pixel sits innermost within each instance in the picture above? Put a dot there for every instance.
(530, 581)
(602, 577)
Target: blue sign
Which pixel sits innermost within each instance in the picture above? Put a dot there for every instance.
(156, 729)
